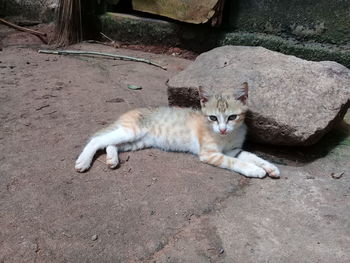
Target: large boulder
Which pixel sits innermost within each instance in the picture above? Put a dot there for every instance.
(292, 101)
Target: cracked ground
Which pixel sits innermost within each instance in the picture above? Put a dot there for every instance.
(157, 206)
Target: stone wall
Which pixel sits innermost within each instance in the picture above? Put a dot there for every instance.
(322, 21)
(29, 9)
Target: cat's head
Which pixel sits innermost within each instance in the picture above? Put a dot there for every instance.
(226, 110)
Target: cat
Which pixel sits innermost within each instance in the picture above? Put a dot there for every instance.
(215, 133)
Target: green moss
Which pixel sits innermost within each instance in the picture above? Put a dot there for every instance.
(133, 29)
(26, 9)
(323, 21)
(309, 51)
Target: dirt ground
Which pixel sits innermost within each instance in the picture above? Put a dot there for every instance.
(157, 206)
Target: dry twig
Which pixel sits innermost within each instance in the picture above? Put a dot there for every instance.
(79, 52)
(36, 33)
(112, 42)
(116, 45)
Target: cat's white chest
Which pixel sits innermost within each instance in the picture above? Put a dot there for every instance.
(234, 141)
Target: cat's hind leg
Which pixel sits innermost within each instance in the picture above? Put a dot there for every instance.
(112, 159)
(116, 136)
(270, 168)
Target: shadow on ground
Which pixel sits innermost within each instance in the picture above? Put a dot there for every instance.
(299, 156)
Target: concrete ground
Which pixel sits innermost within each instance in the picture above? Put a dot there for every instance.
(157, 206)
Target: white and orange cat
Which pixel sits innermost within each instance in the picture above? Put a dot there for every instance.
(215, 133)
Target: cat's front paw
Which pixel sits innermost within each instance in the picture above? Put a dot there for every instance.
(82, 164)
(271, 170)
(253, 171)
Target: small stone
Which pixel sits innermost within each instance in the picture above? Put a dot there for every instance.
(94, 237)
(67, 235)
(221, 251)
(337, 175)
(115, 100)
(59, 83)
(160, 246)
(134, 87)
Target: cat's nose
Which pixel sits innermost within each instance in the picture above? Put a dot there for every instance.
(223, 131)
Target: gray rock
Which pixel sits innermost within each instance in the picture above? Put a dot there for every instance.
(292, 101)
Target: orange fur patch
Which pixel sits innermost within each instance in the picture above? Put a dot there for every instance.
(131, 120)
(218, 160)
(196, 121)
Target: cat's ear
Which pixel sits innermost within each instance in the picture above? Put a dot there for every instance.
(203, 95)
(242, 93)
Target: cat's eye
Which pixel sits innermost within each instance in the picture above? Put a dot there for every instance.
(213, 118)
(232, 117)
